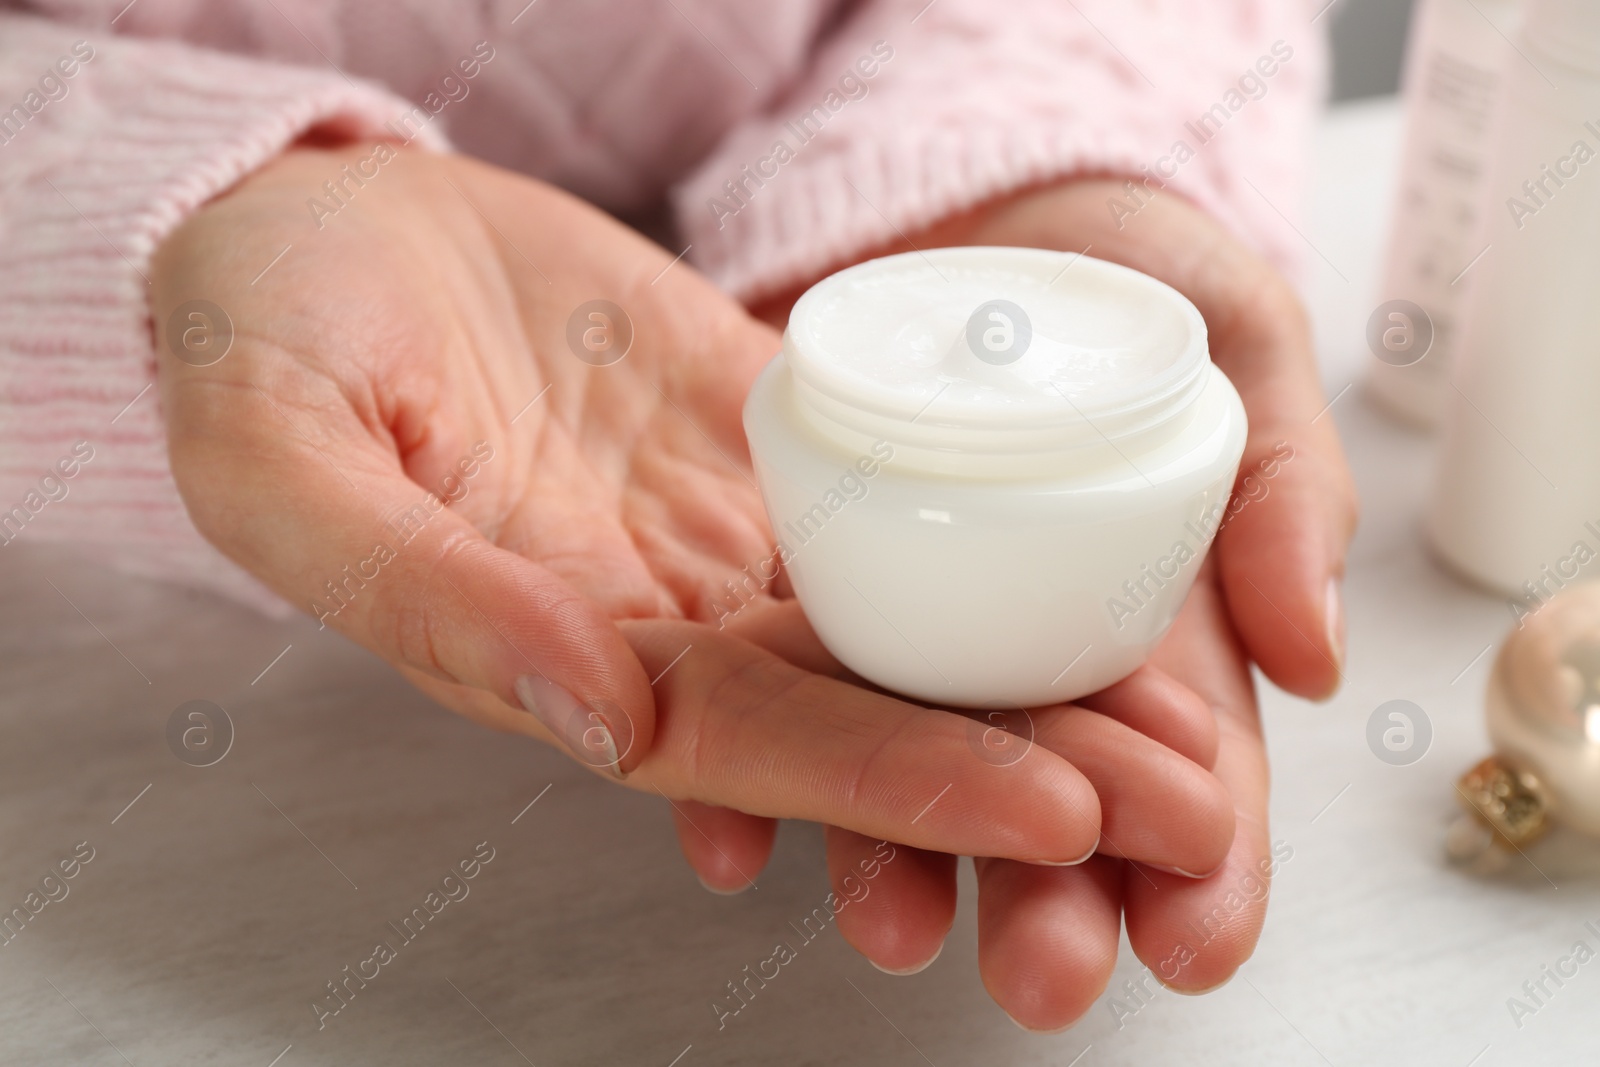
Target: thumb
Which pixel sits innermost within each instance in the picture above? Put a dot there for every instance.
(1281, 555)
(330, 521)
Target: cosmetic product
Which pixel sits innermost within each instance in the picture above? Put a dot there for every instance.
(1543, 712)
(993, 473)
(1519, 466)
(1455, 61)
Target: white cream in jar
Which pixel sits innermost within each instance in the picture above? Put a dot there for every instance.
(993, 473)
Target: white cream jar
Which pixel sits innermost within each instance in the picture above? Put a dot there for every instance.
(981, 505)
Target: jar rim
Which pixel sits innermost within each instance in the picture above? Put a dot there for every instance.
(1094, 314)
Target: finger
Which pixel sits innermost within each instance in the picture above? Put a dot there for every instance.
(738, 727)
(1194, 934)
(726, 849)
(1282, 559)
(1281, 550)
(1162, 708)
(1156, 806)
(1047, 938)
(337, 528)
(898, 903)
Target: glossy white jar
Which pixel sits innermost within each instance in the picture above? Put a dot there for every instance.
(1020, 528)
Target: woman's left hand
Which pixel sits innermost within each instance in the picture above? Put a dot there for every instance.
(1269, 593)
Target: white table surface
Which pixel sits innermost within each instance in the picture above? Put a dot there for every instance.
(208, 921)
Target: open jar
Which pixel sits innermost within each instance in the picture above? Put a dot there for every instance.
(993, 473)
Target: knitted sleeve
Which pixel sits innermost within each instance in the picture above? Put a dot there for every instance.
(106, 145)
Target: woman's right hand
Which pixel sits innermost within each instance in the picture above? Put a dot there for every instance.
(424, 336)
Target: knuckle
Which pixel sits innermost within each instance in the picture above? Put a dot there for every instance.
(863, 780)
(714, 747)
(1259, 308)
(408, 618)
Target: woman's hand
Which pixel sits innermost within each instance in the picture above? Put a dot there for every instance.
(431, 341)
(1269, 592)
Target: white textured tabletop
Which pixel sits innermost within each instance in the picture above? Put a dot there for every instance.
(219, 900)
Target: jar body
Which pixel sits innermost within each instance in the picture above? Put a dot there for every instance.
(985, 592)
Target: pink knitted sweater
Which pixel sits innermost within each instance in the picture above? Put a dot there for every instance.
(785, 136)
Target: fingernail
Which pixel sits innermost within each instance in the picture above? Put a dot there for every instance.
(1196, 992)
(1333, 611)
(580, 728)
(1071, 863)
(1035, 1029)
(1179, 871)
(918, 969)
(719, 891)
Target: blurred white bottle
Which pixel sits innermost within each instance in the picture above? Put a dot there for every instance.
(1517, 502)
(1455, 61)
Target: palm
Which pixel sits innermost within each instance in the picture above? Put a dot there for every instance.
(636, 487)
(629, 480)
